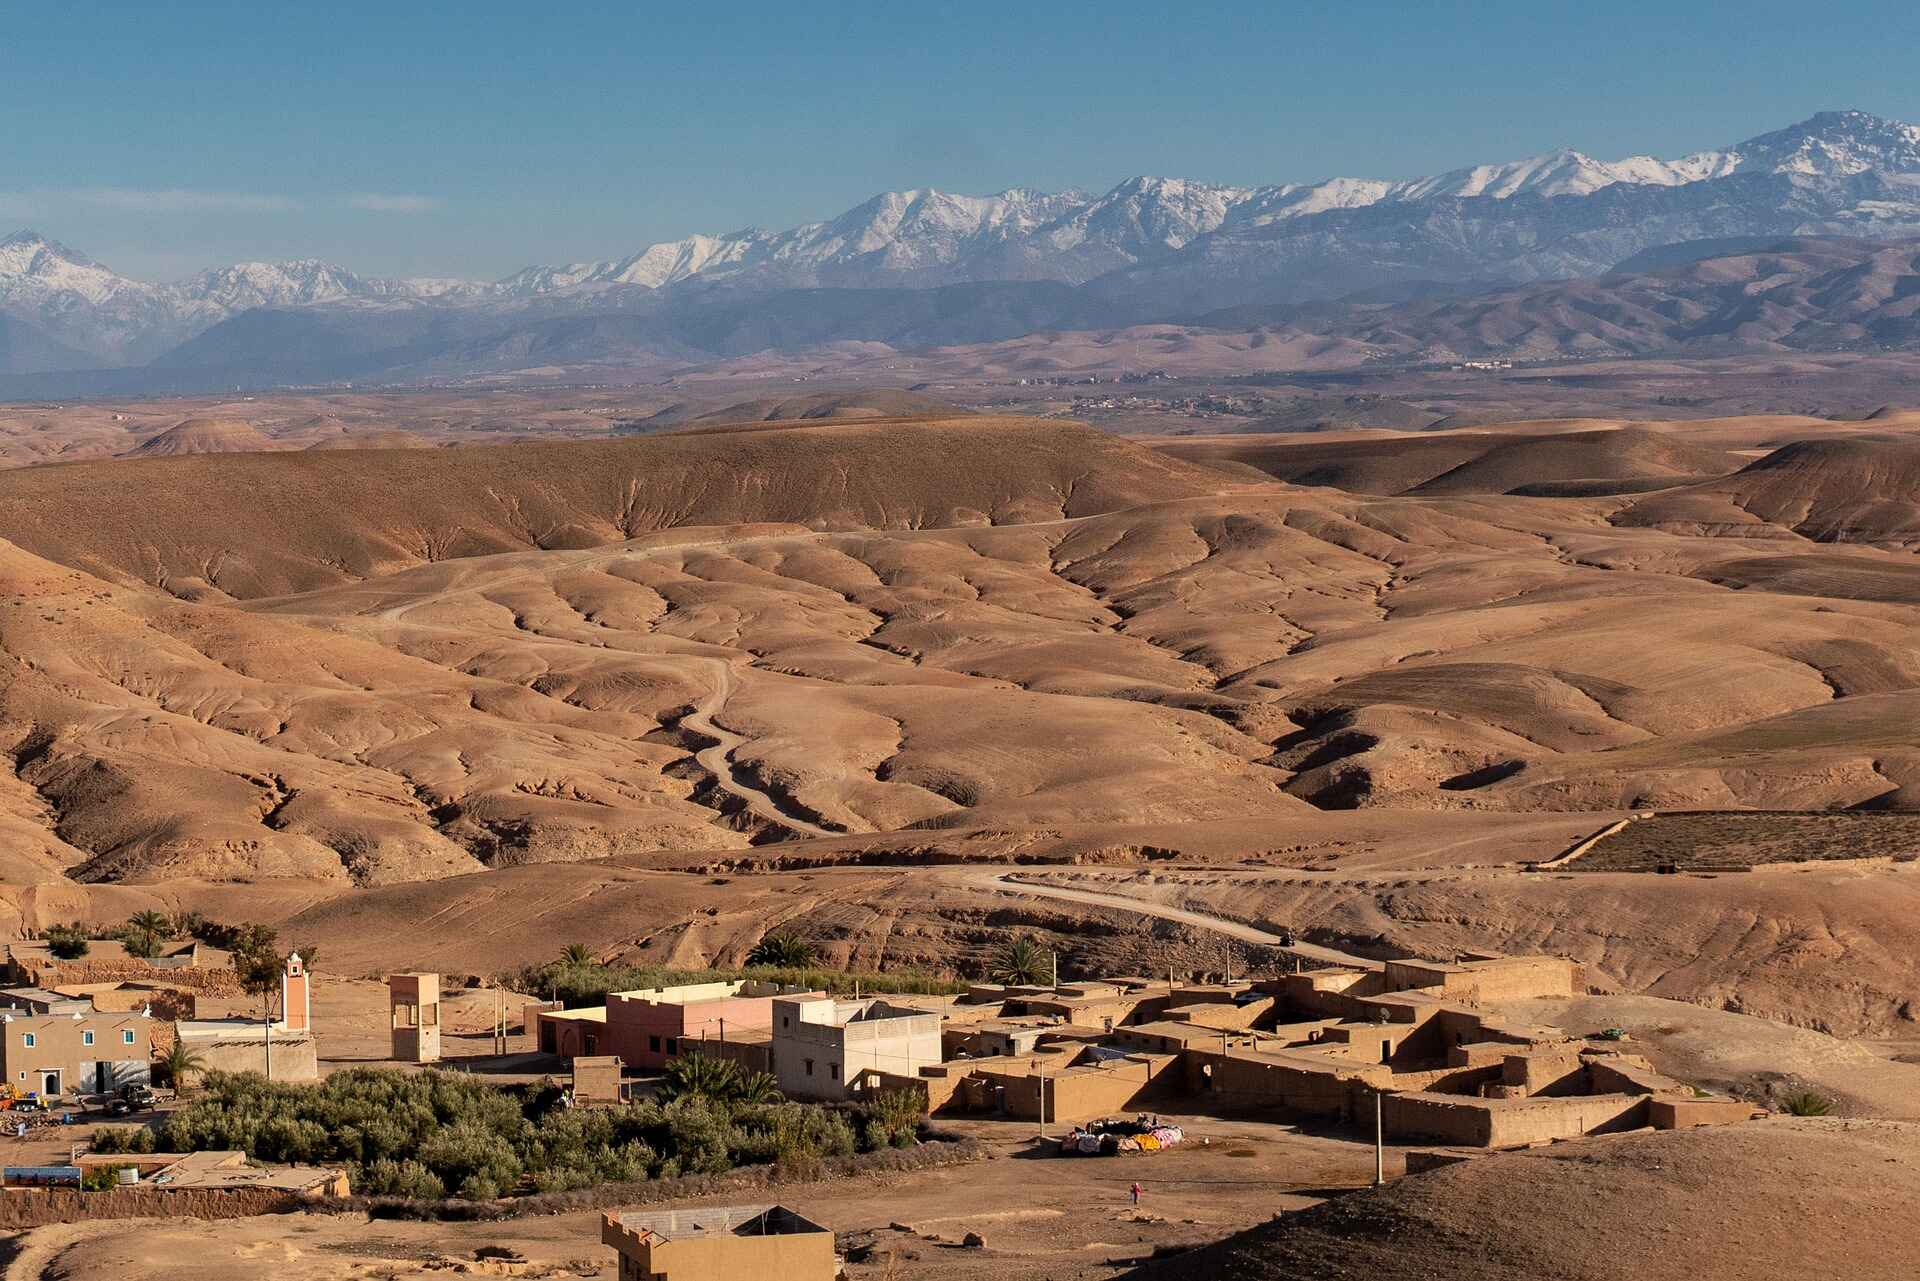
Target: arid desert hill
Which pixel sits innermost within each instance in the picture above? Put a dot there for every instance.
(879, 402)
(890, 644)
(373, 440)
(1527, 459)
(265, 524)
(205, 436)
(1823, 1201)
(1861, 489)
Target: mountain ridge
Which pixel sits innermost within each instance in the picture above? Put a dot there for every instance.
(1148, 249)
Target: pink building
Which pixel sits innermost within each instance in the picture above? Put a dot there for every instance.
(648, 1026)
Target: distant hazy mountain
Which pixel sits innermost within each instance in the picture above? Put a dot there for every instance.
(88, 307)
(927, 267)
(1792, 295)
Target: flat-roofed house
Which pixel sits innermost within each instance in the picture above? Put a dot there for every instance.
(722, 1243)
(822, 1046)
(648, 1026)
(55, 1054)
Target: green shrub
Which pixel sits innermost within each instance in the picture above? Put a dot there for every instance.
(430, 1134)
(67, 942)
(387, 1177)
(108, 1141)
(1806, 1103)
(102, 1178)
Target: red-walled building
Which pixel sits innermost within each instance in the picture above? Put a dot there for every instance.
(648, 1026)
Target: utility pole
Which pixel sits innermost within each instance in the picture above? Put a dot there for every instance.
(1379, 1139)
(1056, 967)
(1041, 1069)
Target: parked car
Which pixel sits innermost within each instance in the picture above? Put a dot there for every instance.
(129, 1099)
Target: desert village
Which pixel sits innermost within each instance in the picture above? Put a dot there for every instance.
(1405, 1056)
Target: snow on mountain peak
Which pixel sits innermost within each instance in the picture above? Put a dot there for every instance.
(922, 236)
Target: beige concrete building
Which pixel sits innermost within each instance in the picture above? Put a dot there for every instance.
(725, 1243)
(75, 1053)
(247, 1045)
(822, 1047)
(280, 1049)
(413, 1006)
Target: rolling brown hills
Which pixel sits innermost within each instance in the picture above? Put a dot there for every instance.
(878, 402)
(370, 687)
(1861, 489)
(256, 524)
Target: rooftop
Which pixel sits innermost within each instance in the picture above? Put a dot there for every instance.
(725, 1220)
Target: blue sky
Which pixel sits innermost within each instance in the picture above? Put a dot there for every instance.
(475, 138)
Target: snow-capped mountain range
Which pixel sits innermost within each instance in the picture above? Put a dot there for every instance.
(1074, 237)
(1168, 243)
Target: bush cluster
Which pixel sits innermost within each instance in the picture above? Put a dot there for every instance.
(577, 982)
(434, 1134)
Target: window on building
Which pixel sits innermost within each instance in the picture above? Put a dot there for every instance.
(833, 1071)
(30, 1041)
(785, 1021)
(673, 1045)
(653, 1043)
(809, 1067)
(126, 1036)
(86, 1038)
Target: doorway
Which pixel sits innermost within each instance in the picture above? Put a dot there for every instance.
(49, 1083)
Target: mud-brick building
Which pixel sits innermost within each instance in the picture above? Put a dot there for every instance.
(77, 1053)
(723, 1243)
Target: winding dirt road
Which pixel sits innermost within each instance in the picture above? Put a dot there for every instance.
(718, 761)
(1014, 883)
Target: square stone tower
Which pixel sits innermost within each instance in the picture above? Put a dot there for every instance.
(413, 1002)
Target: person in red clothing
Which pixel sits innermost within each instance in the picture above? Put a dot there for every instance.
(1135, 1191)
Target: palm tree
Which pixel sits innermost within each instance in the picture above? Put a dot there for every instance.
(576, 954)
(157, 924)
(141, 943)
(757, 1088)
(1807, 1103)
(700, 1074)
(180, 1061)
(783, 952)
(1020, 961)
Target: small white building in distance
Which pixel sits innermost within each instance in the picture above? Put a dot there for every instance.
(822, 1045)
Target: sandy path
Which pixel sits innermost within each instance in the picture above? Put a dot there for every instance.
(1013, 883)
(39, 1249)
